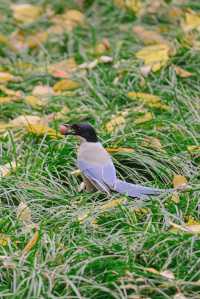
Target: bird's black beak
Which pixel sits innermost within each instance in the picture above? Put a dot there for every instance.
(67, 129)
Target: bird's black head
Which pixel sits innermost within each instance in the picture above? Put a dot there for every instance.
(85, 131)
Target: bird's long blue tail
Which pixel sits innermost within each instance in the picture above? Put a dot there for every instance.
(138, 191)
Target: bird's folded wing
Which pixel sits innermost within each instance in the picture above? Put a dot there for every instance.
(104, 173)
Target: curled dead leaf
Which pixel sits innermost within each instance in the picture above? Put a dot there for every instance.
(115, 123)
(41, 130)
(6, 169)
(179, 180)
(149, 100)
(65, 85)
(26, 13)
(143, 119)
(181, 72)
(31, 243)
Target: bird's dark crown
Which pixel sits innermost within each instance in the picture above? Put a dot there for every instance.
(84, 130)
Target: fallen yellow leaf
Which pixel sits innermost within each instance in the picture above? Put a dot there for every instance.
(148, 37)
(7, 168)
(152, 142)
(193, 148)
(10, 92)
(115, 123)
(61, 114)
(41, 129)
(134, 5)
(4, 239)
(193, 228)
(179, 180)
(155, 56)
(148, 99)
(6, 100)
(5, 77)
(128, 150)
(102, 47)
(112, 204)
(192, 21)
(26, 13)
(24, 120)
(145, 118)
(181, 72)
(31, 243)
(152, 270)
(24, 213)
(175, 197)
(76, 172)
(37, 39)
(43, 91)
(34, 101)
(63, 68)
(66, 85)
(67, 21)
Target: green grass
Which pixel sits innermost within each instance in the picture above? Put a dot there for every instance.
(78, 259)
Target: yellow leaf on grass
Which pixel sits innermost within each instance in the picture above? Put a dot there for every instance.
(179, 180)
(145, 118)
(193, 228)
(67, 21)
(34, 101)
(112, 204)
(10, 92)
(26, 13)
(155, 56)
(192, 21)
(63, 68)
(24, 213)
(166, 273)
(41, 130)
(181, 72)
(37, 39)
(43, 91)
(76, 172)
(66, 85)
(102, 47)
(6, 100)
(193, 149)
(31, 243)
(134, 5)
(152, 142)
(4, 239)
(128, 150)
(148, 99)
(7, 168)
(175, 197)
(148, 37)
(5, 77)
(24, 120)
(61, 114)
(115, 123)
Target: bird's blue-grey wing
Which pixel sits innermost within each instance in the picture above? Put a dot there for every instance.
(104, 173)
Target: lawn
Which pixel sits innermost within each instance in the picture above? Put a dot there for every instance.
(131, 69)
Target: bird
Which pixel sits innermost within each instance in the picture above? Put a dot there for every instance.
(97, 167)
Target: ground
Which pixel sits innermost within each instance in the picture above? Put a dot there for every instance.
(71, 244)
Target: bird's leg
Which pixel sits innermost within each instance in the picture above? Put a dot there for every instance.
(88, 185)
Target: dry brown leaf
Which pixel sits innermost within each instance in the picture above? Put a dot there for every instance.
(5, 77)
(111, 204)
(153, 142)
(31, 243)
(63, 69)
(37, 39)
(26, 13)
(24, 213)
(102, 47)
(193, 149)
(148, 37)
(179, 296)
(43, 91)
(192, 228)
(7, 168)
(167, 274)
(179, 180)
(155, 56)
(65, 84)
(41, 130)
(145, 118)
(192, 21)
(4, 239)
(67, 21)
(24, 120)
(175, 197)
(149, 99)
(115, 123)
(181, 72)
(128, 150)
(34, 102)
